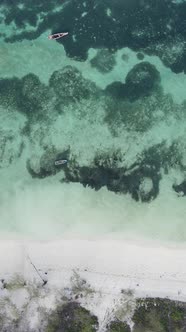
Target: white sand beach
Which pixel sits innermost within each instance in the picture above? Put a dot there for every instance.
(108, 265)
(114, 272)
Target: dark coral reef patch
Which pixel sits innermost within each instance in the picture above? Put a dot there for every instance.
(148, 26)
(70, 86)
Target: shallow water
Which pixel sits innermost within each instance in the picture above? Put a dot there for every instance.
(117, 113)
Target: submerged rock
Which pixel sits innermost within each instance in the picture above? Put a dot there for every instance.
(104, 61)
(180, 188)
(140, 56)
(118, 180)
(10, 92)
(70, 86)
(138, 115)
(116, 89)
(27, 95)
(141, 80)
(34, 95)
(12, 143)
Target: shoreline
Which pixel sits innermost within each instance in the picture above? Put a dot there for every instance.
(108, 266)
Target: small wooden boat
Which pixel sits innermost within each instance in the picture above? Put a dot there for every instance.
(60, 162)
(58, 35)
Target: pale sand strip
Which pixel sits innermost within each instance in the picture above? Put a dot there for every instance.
(107, 265)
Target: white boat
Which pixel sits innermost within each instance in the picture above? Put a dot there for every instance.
(58, 35)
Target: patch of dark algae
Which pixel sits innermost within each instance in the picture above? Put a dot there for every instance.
(142, 80)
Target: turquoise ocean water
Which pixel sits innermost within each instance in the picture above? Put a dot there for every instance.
(110, 99)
